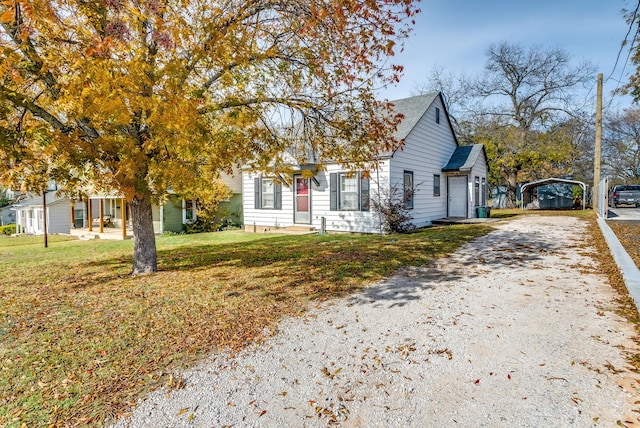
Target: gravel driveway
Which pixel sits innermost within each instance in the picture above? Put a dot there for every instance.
(515, 329)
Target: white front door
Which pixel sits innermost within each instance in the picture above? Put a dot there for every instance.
(457, 195)
(301, 200)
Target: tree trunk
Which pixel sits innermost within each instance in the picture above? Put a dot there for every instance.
(512, 182)
(145, 259)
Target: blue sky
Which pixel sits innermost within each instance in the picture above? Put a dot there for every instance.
(454, 35)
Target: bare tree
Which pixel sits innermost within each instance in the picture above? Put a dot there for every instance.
(455, 89)
(621, 146)
(531, 89)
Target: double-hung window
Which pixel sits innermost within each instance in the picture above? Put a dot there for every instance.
(189, 211)
(348, 192)
(268, 193)
(436, 184)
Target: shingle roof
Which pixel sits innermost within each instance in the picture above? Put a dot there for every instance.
(413, 108)
(463, 158)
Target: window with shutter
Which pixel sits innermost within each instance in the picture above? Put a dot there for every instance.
(348, 192)
(267, 193)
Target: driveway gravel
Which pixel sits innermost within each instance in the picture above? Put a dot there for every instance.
(517, 328)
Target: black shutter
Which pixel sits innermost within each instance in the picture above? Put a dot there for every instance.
(256, 193)
(277, 189)
(333, 191)
(364, 194)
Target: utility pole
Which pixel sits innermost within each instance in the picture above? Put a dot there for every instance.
(44, 217)
(598, 148)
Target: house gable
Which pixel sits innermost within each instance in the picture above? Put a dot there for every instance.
(428, 146)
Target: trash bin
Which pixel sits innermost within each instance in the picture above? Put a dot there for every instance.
(482, 212)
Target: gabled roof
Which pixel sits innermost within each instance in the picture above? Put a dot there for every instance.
(36, 201)
(463, 158)
(412, 108)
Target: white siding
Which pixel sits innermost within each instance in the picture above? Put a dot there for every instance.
(427, 149)
(343, 221)
(58, 217)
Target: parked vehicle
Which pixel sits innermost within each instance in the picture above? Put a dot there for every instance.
(628, 194)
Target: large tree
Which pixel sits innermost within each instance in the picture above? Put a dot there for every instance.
(621, 146)
(531, 90)
(136, 96)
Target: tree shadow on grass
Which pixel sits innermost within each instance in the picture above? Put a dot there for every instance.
(500, 249)
(321, 265)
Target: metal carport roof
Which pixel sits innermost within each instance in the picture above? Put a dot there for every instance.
(544, 181)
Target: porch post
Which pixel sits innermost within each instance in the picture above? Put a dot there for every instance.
(123, 209)
(90, 220)
(101, 215)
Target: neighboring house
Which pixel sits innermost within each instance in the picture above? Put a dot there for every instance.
(230, 211)
(67, 216)
(30, 215)
(451, 180)
(177, 211)
(7, 215)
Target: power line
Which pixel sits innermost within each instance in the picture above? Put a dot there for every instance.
(624, 43)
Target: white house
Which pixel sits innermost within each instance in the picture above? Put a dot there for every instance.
(451, 180)
(30, 214)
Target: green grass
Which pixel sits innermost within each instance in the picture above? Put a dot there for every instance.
(81, 340)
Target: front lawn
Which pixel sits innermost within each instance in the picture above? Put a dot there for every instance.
(81, 340)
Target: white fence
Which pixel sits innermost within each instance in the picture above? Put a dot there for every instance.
(603, 198)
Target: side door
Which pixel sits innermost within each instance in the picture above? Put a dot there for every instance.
(457, 196)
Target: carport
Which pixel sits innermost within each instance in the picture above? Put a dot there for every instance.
(526, 190)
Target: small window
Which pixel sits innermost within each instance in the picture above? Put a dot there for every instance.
(476, 188)
(188, 211)
(408, 190)
(484, 191)
(436, 185)
(437, 115)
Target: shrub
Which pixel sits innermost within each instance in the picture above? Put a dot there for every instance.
(201, 225)
(392, 206)
(8, 229)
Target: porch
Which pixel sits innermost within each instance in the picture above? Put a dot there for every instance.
(108, 233)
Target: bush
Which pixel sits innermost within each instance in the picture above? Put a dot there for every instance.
(392, 206)
(201, 225)
(8, 229)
